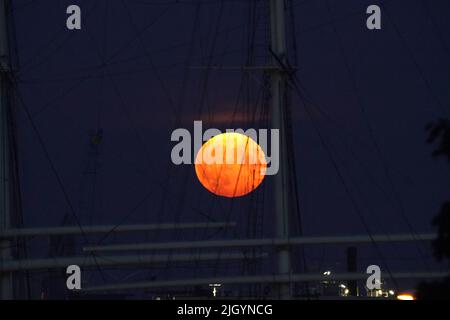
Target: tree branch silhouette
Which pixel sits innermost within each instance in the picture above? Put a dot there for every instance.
(439, 134)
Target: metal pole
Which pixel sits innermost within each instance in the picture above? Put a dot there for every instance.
(282, 242)
(278, 92)
(75, 230)
(6, 280)
(114, 261)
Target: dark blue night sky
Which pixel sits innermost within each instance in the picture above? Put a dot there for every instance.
(128, 72)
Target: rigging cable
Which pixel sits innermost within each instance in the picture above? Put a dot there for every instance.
(438, 103)
(372, 133)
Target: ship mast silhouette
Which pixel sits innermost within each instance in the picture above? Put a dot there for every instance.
(6, 285)
(279, 121)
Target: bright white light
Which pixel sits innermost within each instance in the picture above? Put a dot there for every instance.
(327, 273)
(215, 284)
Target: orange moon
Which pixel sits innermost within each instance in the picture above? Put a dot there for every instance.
(230, 165)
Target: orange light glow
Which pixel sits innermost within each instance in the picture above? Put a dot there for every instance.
(405, 296)
(230, 165)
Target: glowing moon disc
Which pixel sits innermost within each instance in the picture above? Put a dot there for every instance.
(230, 165)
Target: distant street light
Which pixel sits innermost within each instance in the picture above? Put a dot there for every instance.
(405, 296)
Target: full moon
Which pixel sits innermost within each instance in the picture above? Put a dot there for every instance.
(230, 165)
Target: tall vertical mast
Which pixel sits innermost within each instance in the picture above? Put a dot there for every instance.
(6, 281)
(278, 116)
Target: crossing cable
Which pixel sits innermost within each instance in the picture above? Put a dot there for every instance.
(27, 65)
(416, 64)
(372, 133)
(54, 170)
(249, 59)
(435, 27)
(292, 159)
(176, 109)
(294, 83)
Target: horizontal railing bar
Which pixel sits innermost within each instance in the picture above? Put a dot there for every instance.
(112, 261)
(75, 230)
(261, 242)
